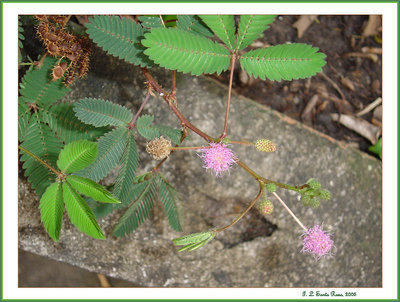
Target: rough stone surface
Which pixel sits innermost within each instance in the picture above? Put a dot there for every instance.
(256, 252)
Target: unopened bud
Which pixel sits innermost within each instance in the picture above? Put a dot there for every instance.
(265, 145)
(159, 148)
(266, 207)
(324, 194)
(271, 187)
(315, 185)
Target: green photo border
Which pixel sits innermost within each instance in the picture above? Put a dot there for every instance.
(3, 275)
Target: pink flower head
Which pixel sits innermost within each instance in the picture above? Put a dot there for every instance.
(317, 242)
(217, 157)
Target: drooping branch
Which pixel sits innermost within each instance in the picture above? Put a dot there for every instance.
(245, 210)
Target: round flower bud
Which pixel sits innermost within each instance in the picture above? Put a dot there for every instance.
(265, 145)
(266, 207)
(271, 187)
(159, 148)
(324, 194)
(315, 185)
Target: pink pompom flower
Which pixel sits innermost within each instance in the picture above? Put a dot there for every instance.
(317, 242)
(217, 157)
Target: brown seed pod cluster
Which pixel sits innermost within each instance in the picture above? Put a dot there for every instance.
(72, 50)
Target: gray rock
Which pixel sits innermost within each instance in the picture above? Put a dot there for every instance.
(256, 252)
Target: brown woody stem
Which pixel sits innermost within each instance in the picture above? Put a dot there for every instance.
(132, 123)
(228, 102)
(245, 210)
(168, 100)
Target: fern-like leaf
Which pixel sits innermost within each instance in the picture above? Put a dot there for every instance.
(111, 146)
(51, 210)
(145, 127)
(65, 125)
(129, 163)
(250, 27)
(149, 22)
(174, 135)
(142, 198)
(23, 125)
(118, 37)
(98, 112)
(99, 209)
(38, 88)
(287, 62)
(91, 189)
(193, 24)
(169, 198)
(76, 156)
(20, 39)
(176, 49)
(223, 27)
(40, 140)
(80, 213)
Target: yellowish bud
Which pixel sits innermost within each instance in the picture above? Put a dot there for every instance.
(265, 145)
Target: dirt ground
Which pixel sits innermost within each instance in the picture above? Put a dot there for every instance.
(354, 65)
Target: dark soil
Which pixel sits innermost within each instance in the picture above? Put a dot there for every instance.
(335, 36)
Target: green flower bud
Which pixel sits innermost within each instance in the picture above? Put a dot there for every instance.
(324, 194)
(315, 185)
(271, 187)
(306, 200)
(314, 202)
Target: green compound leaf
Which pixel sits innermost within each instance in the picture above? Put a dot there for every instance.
(51, 210)
(145, 128)
(23, 125)
(37, 87)
(174, 135)
(99, 209)
(194, 241)
(250, 27)
(91, 189)
(223, 27)
(111, 146)
(129, 164)
(142, 197)
(98, 112)
(194, 25)
(77, 155)
(20, 38)
(149, 22)
(65, 125)
(169, 198)
(80, 213)
(39, 140)
(176, 49)
(118, 37)
(287, 62)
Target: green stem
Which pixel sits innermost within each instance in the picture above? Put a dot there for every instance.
(189, 148)
(240, 142)
(245, 210)
(228, 102)
(263, 179)
(40, 160)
